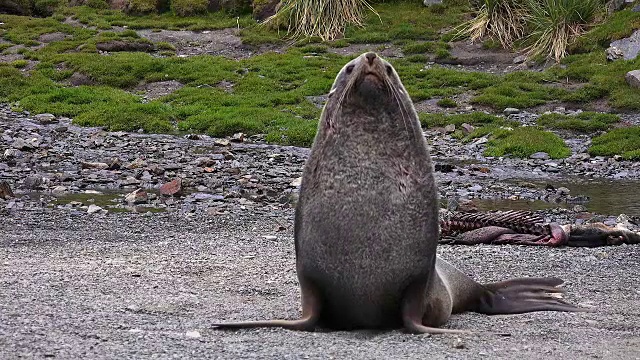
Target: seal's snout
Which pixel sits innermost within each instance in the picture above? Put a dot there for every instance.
(370, 56)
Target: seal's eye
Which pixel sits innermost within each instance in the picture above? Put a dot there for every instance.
(389, 69)
(350, 69)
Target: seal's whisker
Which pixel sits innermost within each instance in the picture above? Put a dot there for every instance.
(401, 105)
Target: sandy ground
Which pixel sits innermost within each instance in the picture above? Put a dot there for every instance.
(137, 286)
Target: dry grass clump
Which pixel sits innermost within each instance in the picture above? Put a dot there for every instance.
(555, 24)
(501, 19)
(546, 27)
(326, 19)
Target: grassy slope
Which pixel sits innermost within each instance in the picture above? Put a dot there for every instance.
(269, 90)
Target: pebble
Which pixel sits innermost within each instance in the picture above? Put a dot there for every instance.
(510, 111)
(93, 209)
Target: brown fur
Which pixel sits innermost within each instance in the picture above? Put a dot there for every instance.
(366, 223)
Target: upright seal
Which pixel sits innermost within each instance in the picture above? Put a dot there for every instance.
(366, 223)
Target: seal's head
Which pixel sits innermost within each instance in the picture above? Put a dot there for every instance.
(370, 86)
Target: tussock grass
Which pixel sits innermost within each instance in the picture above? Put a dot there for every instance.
(326, 19)
(545, 27)
(584, 122)
(500, 19)
(524, 141)
(555, 24)
(623, 141)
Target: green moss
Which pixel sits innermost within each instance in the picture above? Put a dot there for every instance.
(405, 20)
(142, 6)
(97, 4)
(475, 118)
(520, 89)
(418, 48)
(621, 141)
(46, 7)
(584, 122)
(524, 141)
(417, 58)
(189, 7)
(315, 48)
(619, 25)
(19, 63)
(131, 116)
(447, 103)
(604, 78)
(491, 44)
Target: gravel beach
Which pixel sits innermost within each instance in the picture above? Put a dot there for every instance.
(115, 286)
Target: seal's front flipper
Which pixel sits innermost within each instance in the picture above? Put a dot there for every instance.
(311, 306)
(483, 235)
(522, 295)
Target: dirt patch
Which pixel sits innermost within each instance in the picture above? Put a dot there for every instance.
(51, 37)
(474, 57)
(121, 45)
(225, 42)
(7, 58)
(159, 89)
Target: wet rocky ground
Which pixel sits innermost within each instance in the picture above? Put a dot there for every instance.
(49, 162)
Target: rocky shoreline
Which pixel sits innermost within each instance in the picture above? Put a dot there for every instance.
(50, 163)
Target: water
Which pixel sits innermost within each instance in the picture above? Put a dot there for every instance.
(604, 197)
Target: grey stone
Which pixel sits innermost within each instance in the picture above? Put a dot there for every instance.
(467, 128)
(139, 196)
(33, 182)
(45, 118)
(450, 128)
(431, 2)
(519, 59)
(615, 5)
(50, 37)
(93, 209)
(628, 47)
(511, 111)
(633, 78)
(59, 190)
(475, 188)
(539, 156)
(613, 53)
(21, 145)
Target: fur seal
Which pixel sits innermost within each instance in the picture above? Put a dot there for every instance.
(526, 228)
(366, 222)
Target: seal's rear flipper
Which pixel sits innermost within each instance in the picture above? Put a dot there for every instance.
(522, 295)
(302, 324)
(311, 307)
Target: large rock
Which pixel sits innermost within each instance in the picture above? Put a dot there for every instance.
(627, 48)
(172, 188)
(262, 9)
(431, 2)
(15, 7)
(633, 78)
(5, 190)
(230, 6)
